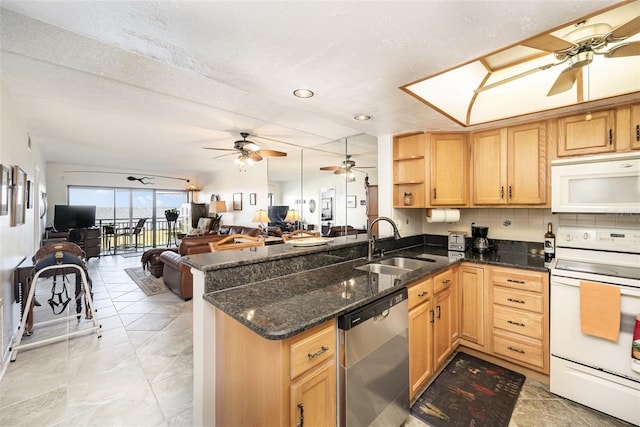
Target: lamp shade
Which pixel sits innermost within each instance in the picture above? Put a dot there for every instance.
(292, 215)
(261, 216)
(217, 206)
(192, 187)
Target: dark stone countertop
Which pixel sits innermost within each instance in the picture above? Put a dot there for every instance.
(281, 307)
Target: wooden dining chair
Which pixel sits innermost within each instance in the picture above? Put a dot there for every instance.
(300, 234)
(236, 242)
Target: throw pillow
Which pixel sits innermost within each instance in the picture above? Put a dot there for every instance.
(204, 223)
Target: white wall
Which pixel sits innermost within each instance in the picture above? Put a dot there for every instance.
(232, 180)
(19, 242)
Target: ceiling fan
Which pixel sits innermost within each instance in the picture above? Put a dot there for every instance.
(347, 166)
(578, 50)
(249, 152)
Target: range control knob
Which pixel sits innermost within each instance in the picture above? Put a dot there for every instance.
(586, 236)
(568, 238)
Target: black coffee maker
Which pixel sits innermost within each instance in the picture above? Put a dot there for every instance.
(480, 241)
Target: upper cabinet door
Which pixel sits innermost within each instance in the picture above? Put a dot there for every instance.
(635, 127)
(527, 164)
(489, 158)
(578, 136)
(449, 165)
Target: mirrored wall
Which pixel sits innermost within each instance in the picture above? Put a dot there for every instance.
(326, 185)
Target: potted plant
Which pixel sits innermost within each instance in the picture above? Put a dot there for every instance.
(215, 222)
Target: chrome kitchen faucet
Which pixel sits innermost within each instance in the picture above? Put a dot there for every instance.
(372, 240)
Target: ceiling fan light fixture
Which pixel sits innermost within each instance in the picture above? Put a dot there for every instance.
(585, 32)
(303, 93)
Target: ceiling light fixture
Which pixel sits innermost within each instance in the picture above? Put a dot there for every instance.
(303, 93)
(362, 117)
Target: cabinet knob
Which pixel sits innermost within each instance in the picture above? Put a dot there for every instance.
(423, 293)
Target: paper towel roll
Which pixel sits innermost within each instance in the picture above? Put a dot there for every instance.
(443, 215)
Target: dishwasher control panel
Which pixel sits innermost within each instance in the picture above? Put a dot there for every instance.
(379, 307)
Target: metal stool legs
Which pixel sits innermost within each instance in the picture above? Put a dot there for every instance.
(28, 309)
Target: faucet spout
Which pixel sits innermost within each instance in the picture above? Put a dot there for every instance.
(372, 240)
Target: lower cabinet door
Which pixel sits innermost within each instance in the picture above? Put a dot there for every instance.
(420, 347)
(442, 331)
(313, 397)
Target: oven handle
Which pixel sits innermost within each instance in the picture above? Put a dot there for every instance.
(565, 281)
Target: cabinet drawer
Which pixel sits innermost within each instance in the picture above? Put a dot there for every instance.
(312, 350)
(518, 279)
(442, 281)
(523, 350)
(516, 299)
(419, 293)
(518, 321)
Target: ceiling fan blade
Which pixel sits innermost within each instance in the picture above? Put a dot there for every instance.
(254, 155)
(272, 153)
(363, 167)
(625, 30)
(565, 81)
(548, 43)
(515, 77)
(219, 149)
(624, 49)
(340, 171)
(329, 168)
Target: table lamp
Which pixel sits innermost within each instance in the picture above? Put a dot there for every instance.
(261, 216)
(293, 215)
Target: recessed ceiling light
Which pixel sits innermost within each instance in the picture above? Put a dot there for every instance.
(362, 117)
(303, 93)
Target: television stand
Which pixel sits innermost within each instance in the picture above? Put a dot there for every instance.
(87, 238)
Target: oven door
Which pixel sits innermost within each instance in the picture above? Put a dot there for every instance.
(568, 342)
(593, 371)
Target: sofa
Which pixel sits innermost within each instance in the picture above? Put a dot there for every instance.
(166, 262)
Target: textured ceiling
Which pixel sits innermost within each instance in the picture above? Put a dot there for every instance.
(132, 84)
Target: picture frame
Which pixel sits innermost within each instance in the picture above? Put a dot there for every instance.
(237, 201)
(18, 196)
(252, 198)
(5, 186)
(351, 201)
(29, 197)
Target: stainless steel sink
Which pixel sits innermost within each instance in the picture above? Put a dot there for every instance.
(383, 269)
(408, 263)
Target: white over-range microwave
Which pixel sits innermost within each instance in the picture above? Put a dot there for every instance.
(596, 184)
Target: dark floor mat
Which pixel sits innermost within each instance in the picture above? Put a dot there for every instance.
(470, 392)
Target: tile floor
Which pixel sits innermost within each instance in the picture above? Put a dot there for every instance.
(140, 372)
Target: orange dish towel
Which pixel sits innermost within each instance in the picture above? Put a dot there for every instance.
(600, 310)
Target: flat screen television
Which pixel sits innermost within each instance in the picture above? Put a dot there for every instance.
(66, 217)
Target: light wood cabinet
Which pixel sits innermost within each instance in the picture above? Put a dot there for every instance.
(635, 127)
(276, 380)
(520, 316)
(471, 282)
(578, 136)
(420, 335)
(449, 165)
(510, 166)
(313, 397)
(409, 170)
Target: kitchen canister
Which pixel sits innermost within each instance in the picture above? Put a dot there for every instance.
(408, 199)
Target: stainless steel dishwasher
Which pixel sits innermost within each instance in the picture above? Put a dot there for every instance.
(374, 363)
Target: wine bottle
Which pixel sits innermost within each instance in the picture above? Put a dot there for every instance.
(549, 246)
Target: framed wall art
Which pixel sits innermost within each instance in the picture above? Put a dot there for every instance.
(18, 196)
(252, 198)
(237, 201)
(5, 185)
(351, 201)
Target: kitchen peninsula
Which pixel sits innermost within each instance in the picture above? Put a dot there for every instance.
(269, 305)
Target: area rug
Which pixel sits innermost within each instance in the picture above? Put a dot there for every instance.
(149, 284)
(470, 392)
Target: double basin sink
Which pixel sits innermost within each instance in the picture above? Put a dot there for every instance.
(397, 266)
